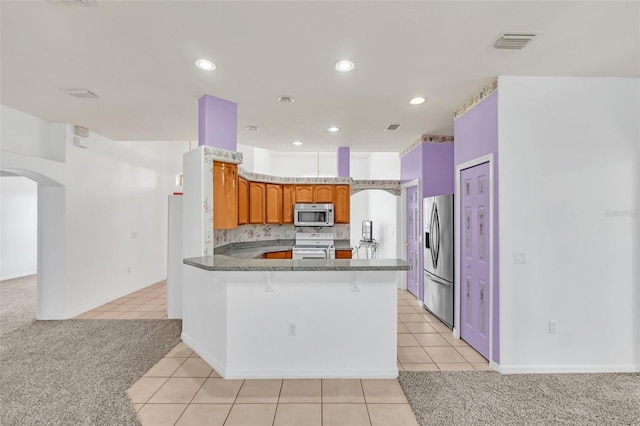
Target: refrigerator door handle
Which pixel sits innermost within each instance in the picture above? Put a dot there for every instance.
(437, 280)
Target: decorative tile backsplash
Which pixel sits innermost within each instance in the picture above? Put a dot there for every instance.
(246, 233)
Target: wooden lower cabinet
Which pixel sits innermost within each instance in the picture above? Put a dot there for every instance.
(277, 255)
(257, 195)
(343, 254)
(273, 212)
(243, 201)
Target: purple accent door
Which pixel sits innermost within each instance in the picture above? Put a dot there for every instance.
(475, 257)
(413, 246)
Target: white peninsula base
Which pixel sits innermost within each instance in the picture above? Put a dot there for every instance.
(292, 324)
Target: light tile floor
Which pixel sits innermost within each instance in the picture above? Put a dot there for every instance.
(182, 389)
(148, 303)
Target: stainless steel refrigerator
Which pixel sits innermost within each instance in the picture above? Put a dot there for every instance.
(438, 257)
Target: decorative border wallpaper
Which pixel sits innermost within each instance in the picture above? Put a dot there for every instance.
(426, 139)
(477, 98)
(392, 186)
(246, 233)
(219, 154)
(259, 177)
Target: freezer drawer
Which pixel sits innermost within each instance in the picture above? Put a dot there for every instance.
(438, 298)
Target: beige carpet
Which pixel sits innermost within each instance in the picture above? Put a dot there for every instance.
(73, 372)
(488, 398)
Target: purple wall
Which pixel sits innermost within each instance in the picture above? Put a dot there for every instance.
(411, 165)
(476, 135)
(217, 123)
(438, 171)
(344, 159)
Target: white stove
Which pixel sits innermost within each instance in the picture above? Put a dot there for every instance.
(313, 245)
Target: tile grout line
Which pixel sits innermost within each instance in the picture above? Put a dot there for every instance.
(277, 402)
(194, 395)
(366, 405)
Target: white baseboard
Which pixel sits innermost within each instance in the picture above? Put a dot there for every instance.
(213, 362)
(566, 368)
(19, 275)
(233, 373)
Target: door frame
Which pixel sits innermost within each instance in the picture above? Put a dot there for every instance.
(403, 229)
(458, 232)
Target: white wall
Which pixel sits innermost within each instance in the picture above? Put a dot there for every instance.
(18, 227)
(21, 134)
(569, 155)
(114, 211)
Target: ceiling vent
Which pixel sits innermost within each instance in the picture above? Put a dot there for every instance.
(82, 94)
(392, 127)
(513, 41)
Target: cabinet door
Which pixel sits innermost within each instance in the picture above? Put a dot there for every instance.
(276, 255)
(243, 201)
(304, 193)
(288, 199)
(343, 254)
(342, 201)
(225, 195)
(256, 202)
(323, 193)
(274, 203)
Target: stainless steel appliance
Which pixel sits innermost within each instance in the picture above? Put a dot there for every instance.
(438, 257)
(312, 214)
(313, 245)
(367, 230)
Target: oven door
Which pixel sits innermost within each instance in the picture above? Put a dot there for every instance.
(309, 253)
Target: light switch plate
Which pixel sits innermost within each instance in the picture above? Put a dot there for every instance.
(519, 258)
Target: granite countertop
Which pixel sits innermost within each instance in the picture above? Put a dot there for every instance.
(247, 256)
(255, 249)
(229, 263)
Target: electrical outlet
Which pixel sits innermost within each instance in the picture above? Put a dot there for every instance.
(519, 258)
(134, 235)
(129, 270)
(553, 326)
(292, 329)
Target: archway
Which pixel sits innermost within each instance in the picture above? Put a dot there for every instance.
(51, 264)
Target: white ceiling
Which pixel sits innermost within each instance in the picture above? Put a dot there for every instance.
(139, 58)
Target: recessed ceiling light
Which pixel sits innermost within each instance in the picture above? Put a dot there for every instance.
(344, 66)
(333, 129)
(417, 100)
(297, 143)
(205, 65)
(252, 128)
(286, 99)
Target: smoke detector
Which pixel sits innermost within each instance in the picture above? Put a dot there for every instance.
(392, 127)
(513, 41)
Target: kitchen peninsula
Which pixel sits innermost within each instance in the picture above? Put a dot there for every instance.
(251, 316)
(257, 318)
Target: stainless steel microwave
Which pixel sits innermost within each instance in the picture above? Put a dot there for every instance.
(313, 214)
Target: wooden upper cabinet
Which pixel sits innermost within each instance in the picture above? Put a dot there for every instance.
(288, 200)
(243, 201)
(342, 199)
(257, 195)
(304, 193)
(225, 195)
(273, 203)
(323, 193)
